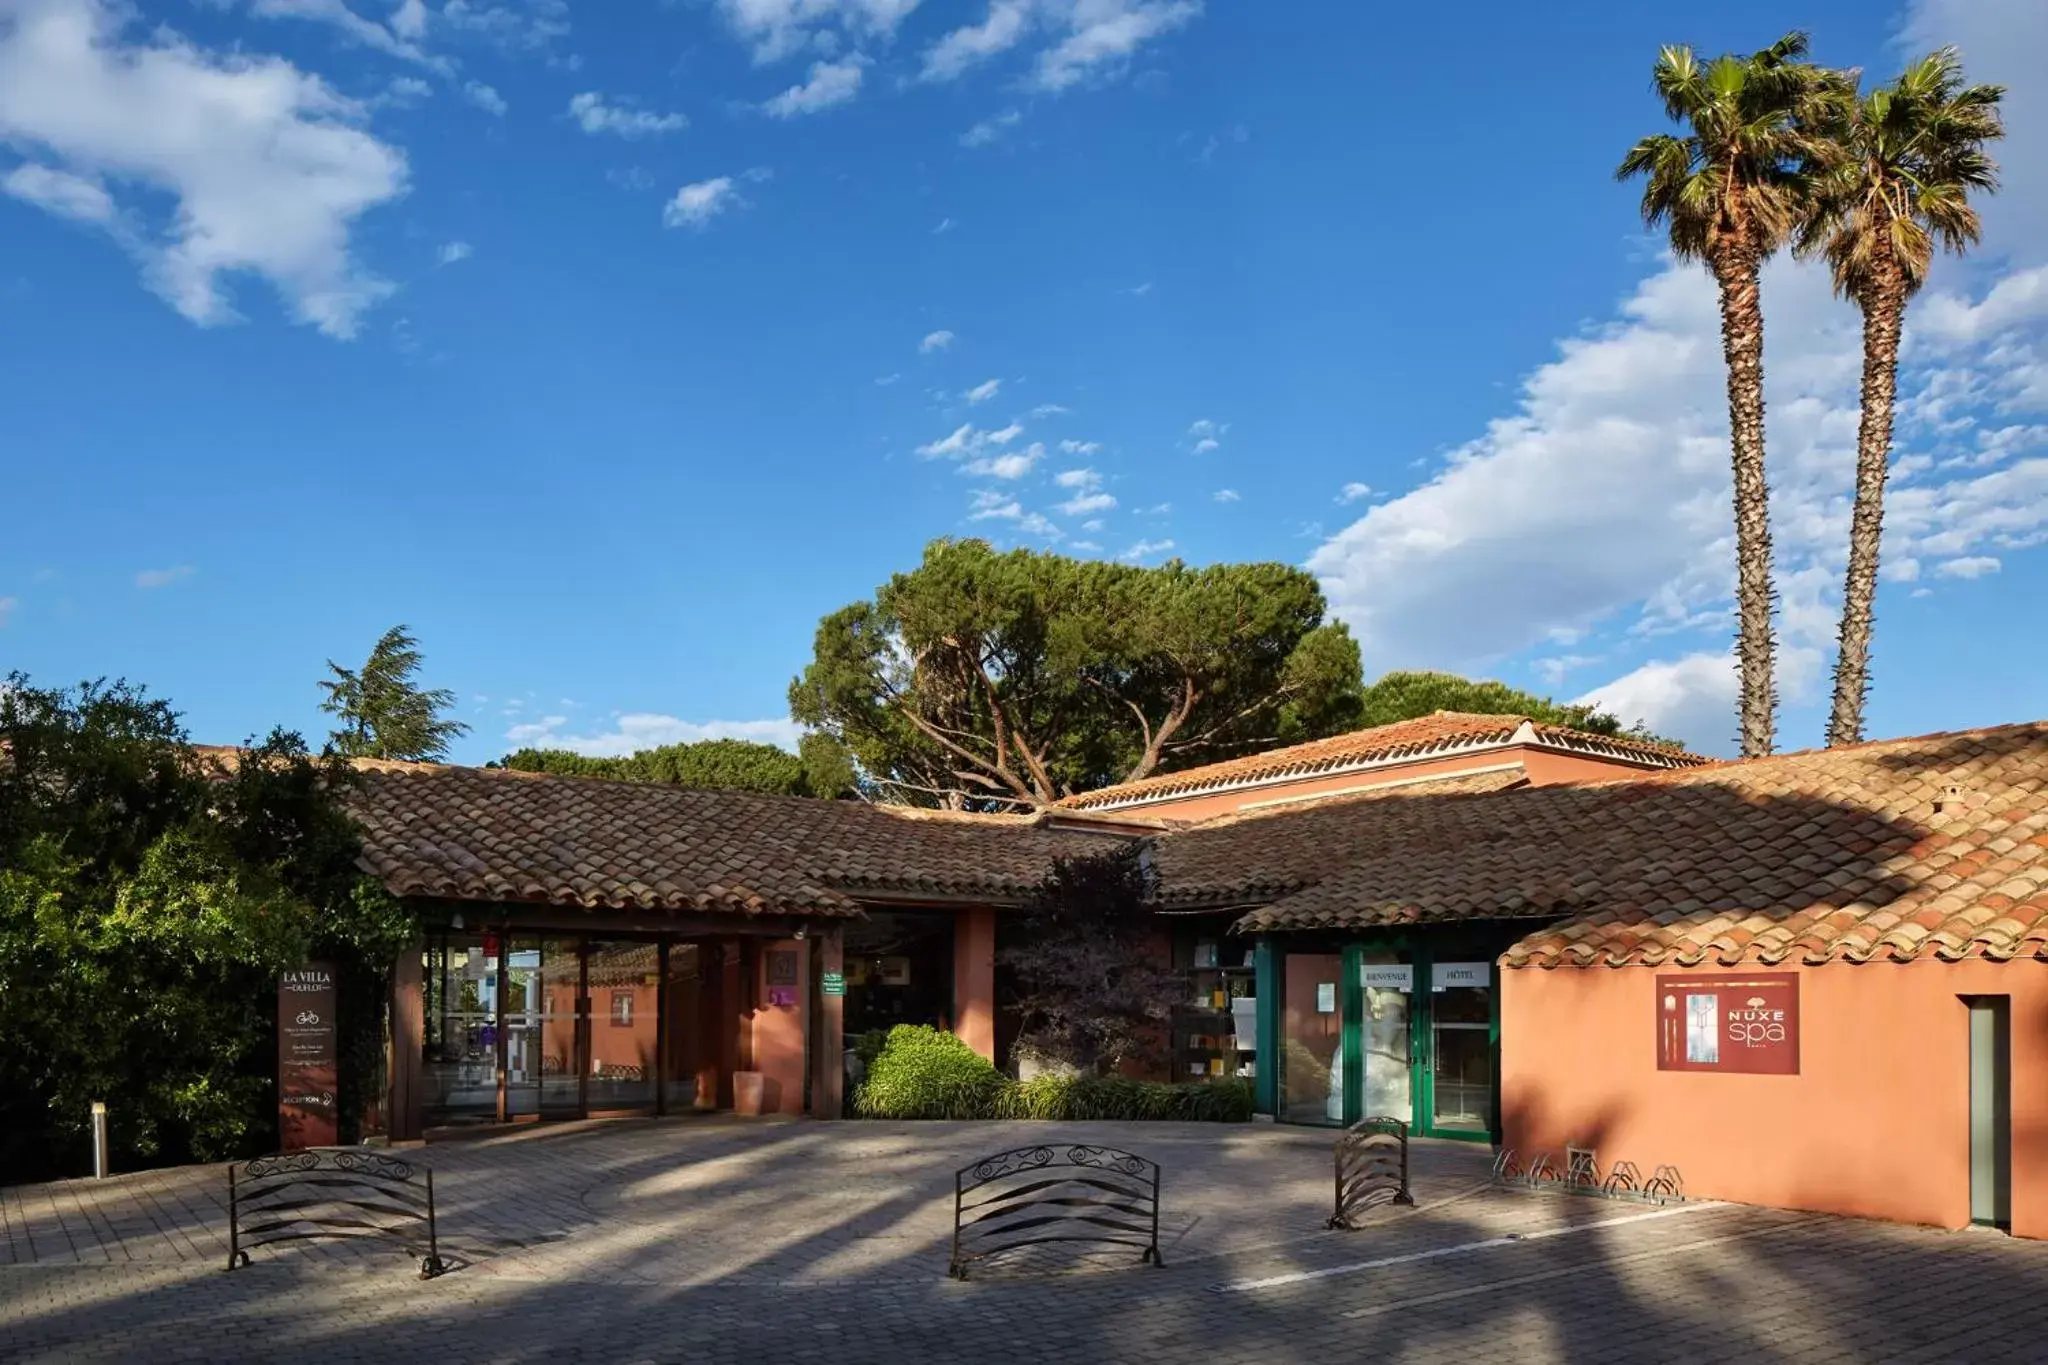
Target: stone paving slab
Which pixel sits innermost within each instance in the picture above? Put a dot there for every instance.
(813, 1242)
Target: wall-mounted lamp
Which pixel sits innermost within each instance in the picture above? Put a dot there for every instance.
(799, 934)
(455, 921)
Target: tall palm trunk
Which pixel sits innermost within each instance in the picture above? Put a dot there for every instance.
(1883, 302)
(1737, 270)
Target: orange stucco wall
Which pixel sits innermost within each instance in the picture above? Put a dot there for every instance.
(974, 979)
(1876, 1123)
(777, 1033)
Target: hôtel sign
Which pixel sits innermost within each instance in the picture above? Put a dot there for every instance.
(1744, 1022)
(306, 1073)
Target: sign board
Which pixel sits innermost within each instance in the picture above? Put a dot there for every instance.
(1460, 975)
(1326, 997)
(832, 983)
(1746, 1022)
(307, 1115)
(1387, 976)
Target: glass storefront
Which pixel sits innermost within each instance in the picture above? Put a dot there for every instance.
(1400, 1027)
(580, 1026)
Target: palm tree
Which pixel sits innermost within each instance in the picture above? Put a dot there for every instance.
(1731, 189)
(1910, 154)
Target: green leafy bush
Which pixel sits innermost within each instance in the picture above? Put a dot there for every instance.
(923, 1073)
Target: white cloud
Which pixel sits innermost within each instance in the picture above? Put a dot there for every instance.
(1690, 698)
(517, 26)
(403, 92)
(451, 252)
(409, 20)
(635, 731)
(945, 226)
(1083, 448)
(1144, 549)
(163, 578)
(594, 116)
(8, 606)
(989, 129)
(1601, 503)
(1077, 478)
(1138, 291)
(983, 391)
(696, 204)
(989, 504)
(230, 163)
(830, 84)
(1225, 495)
(1207, 435)
(1050, 410)
(1352, 492)
(1207, 444)
(1013, 465)
(1086, 503)
(963, 48)
(60, 192)
(966, 439)
(337, 15)
(782, 28)
(935, 341)
(1969, 566)
(1103, 35)
(886, 380)
(485, 98)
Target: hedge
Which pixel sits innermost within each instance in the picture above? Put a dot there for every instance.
(925, 1073)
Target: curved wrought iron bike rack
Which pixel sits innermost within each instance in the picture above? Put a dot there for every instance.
(1054, 1192)
(332, 1192)
(1372, 1169)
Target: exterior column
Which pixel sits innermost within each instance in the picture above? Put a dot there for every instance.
(828, 1047)
(974, 979)
(403, 1119)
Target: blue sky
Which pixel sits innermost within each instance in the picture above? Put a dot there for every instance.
(610, 346)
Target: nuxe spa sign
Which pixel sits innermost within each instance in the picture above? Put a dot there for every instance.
(1746, 1022)
(306, 1071)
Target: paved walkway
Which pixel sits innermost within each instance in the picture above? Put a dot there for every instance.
(720, 1239)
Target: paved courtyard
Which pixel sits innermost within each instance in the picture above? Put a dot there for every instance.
(720, 1239)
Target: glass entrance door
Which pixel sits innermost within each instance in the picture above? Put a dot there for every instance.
(543, 978)
(1461, 1056)
(621, 1045)
(1311, 1040)
(1386, 989)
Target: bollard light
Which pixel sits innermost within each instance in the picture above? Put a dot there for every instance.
(99, 1140)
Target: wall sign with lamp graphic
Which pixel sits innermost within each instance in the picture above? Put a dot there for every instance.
(1745, 1023)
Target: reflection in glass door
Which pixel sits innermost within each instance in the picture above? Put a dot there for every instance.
(542, 979)
(1461, 1057)
(1386, 989)
(1311, 1040)
(623, 984)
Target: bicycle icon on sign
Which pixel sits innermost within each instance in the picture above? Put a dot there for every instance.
(308, 1017)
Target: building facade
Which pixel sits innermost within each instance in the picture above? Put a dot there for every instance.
(1817, 981)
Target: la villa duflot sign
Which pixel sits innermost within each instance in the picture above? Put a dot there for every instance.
(307, 1076)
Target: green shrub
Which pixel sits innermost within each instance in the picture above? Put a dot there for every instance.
(868, 1046)
(923, 1073)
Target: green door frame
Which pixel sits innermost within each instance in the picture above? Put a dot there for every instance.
(1423, 953)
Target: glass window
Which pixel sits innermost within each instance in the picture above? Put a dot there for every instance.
(1388, 993)
(622, 1009)
(459, 1041)
(625, 976)
(1312, 1035)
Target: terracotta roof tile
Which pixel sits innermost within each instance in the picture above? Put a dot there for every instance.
(1422, 737)
(492, 834)
(1882, 851)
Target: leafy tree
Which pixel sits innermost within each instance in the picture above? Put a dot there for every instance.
(148, 900)
(384, 712)
(1405, 695)
(1014, 678)
(734, 764)
(1092, 990)
(1731, 191)
(1910, 155)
